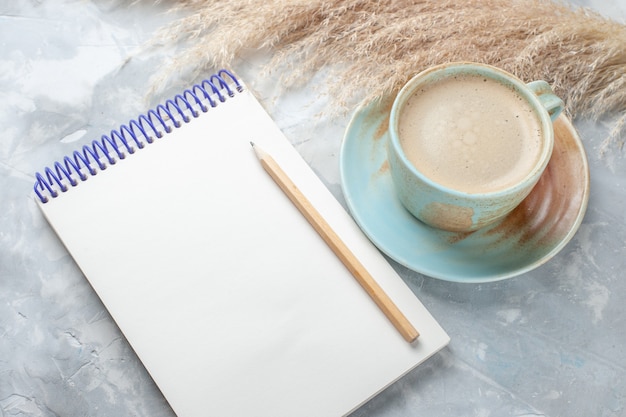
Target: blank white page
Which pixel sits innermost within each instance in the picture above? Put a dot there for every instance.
(231, 300)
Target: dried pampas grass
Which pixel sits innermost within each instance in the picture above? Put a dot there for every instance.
(375, 46)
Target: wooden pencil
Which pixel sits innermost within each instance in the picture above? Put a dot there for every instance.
(378, 295)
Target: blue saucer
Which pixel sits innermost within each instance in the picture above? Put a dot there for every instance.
(528, 237)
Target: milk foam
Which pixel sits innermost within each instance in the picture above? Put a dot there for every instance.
(470, 134)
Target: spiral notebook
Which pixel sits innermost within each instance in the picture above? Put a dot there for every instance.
(233, 303)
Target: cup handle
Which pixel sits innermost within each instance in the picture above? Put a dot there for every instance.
(552, 103)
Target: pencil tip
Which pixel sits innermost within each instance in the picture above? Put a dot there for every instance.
(259, 153)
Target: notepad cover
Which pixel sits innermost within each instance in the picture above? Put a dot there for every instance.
(231, 300)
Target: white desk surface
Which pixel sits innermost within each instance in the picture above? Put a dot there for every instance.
(550, 342)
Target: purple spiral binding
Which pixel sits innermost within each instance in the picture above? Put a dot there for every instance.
(138, 132)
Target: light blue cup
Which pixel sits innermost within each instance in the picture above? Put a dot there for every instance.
(449, 209)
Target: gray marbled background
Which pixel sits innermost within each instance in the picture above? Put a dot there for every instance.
(550, 342)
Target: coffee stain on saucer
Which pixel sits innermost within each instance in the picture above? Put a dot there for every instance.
(383, 127)
(381, 172)
(384, 168)
(456, 237)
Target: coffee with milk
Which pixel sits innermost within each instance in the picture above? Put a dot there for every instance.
(470, 133)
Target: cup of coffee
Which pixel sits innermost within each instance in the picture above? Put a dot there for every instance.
(468, 142)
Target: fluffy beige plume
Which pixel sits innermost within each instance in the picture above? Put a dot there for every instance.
(375, 46)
